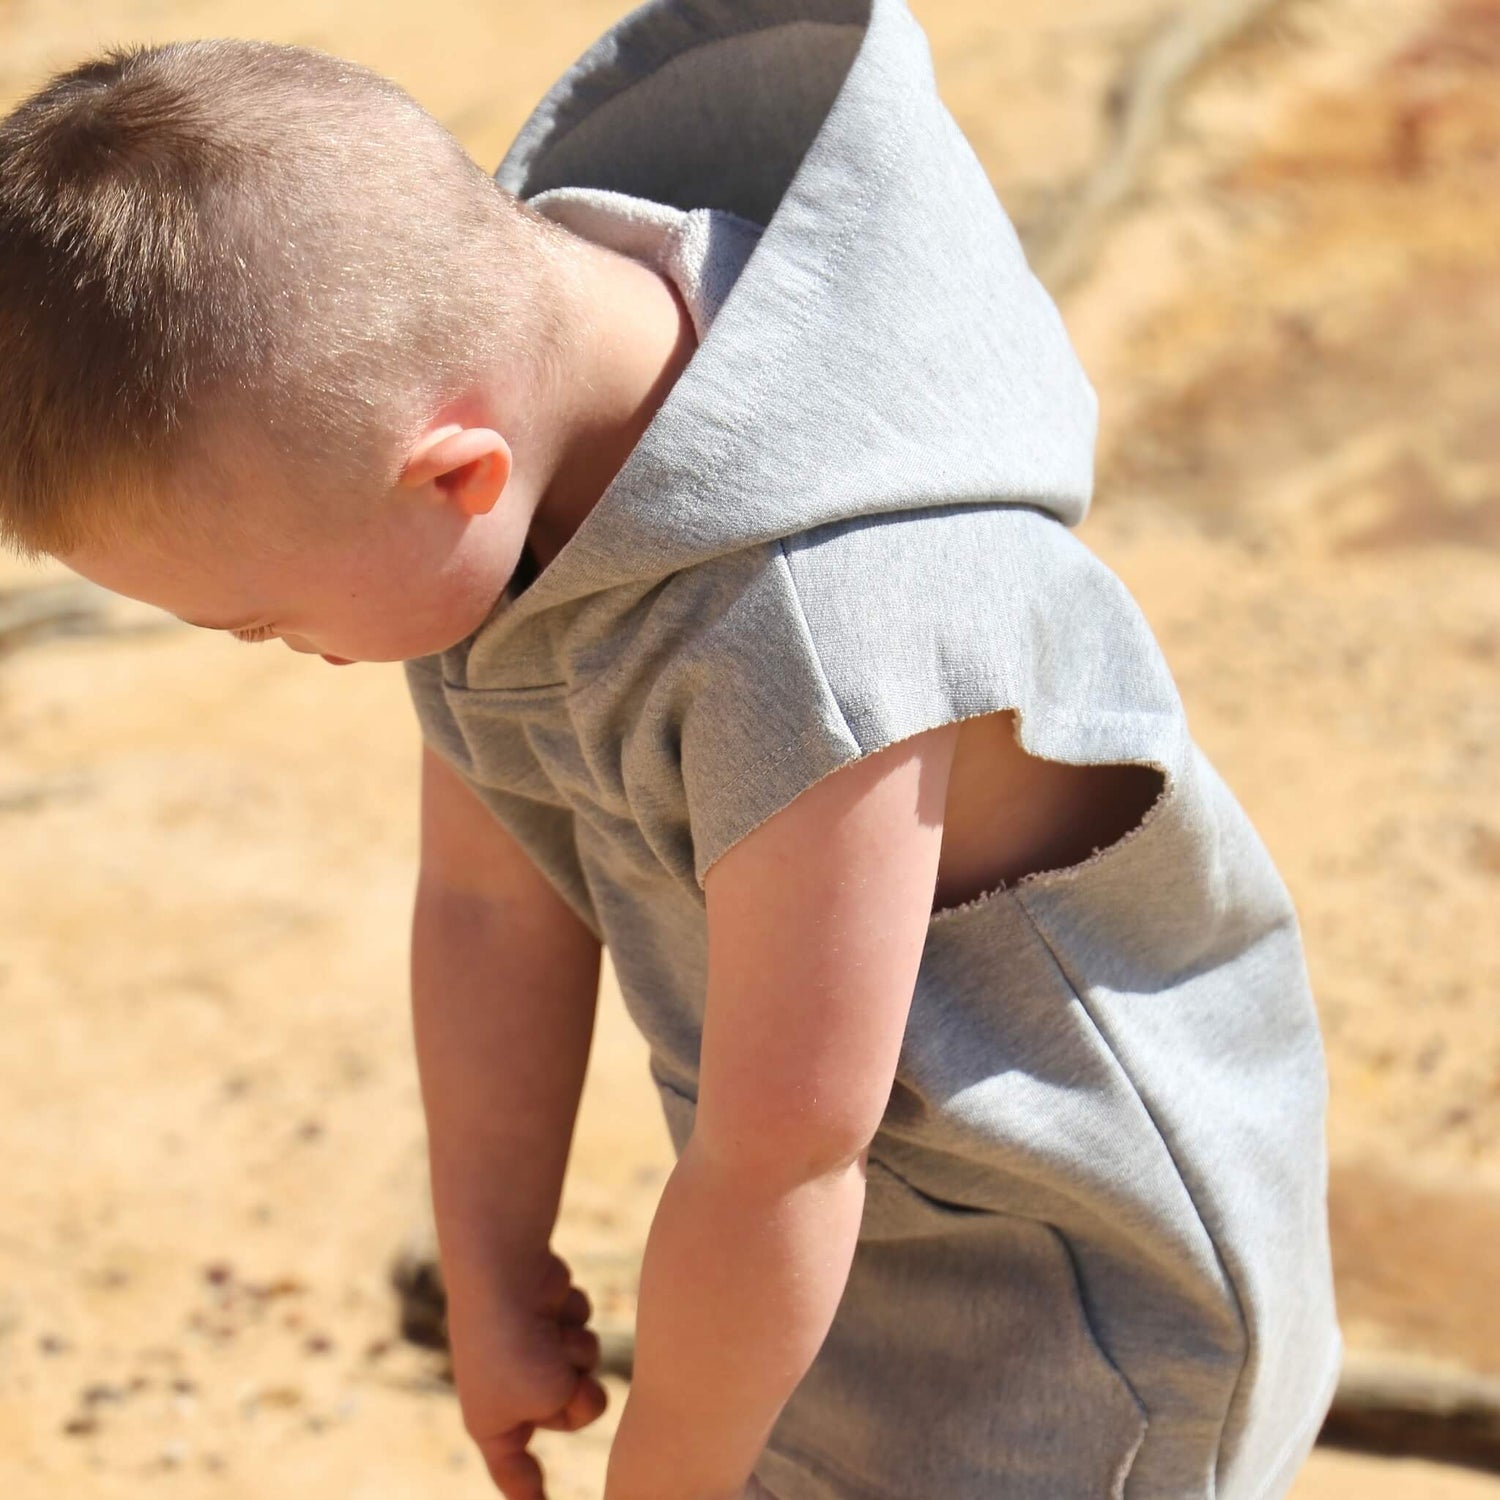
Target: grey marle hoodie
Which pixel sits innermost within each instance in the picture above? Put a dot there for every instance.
(1094, 1256)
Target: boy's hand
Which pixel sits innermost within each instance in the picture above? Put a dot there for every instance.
(522, 1359)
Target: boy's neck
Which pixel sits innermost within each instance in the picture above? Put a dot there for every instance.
(631, 337)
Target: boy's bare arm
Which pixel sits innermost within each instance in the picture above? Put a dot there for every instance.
(504, 983)
(817, 922)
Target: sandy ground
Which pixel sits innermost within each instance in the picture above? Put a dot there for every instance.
(214, 1141)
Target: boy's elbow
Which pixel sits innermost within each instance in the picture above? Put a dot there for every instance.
(782, 1151)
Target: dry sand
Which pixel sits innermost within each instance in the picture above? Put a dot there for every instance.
(206, 851)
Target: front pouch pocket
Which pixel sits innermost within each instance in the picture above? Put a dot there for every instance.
(511, 736)
(960, 1363)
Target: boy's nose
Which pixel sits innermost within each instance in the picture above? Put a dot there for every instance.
(333, 661)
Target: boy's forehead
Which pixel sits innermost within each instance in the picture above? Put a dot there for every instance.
(214, 588)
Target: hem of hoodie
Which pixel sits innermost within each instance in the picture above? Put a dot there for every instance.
(832, 1479)
(1294, 1451)
(1290, 1457)
(751, 776)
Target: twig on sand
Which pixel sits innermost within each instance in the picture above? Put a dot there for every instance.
(1387, 1405)
(1139, 105)
(31, 795)
(1399, 1407)
(72, 607)
(1408, 1409)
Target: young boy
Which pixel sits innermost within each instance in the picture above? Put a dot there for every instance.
(711, 473)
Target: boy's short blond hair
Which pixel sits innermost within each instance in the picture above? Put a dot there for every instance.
(237, 239)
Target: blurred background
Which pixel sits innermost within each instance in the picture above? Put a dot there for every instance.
(1273, 228)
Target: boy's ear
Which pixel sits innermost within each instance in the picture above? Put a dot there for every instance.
(469, 465)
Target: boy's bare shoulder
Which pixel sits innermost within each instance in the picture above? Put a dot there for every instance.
(1010, 814)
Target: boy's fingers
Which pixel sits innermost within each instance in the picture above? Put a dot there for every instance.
(516, 1474)
(588, 1403)
(554, 1286)
(581, 1346)
(585, 1405)
(576, 1307)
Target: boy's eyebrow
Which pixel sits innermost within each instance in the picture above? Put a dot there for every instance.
(201, 626)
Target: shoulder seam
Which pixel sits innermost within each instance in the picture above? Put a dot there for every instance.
(808, 733)
(812, 644)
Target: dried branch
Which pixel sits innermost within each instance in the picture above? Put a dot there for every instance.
(71, 607)
(1392, 1406)
(1139, 105)
(1405, 1409)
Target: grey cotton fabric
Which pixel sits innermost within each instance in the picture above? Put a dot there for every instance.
(1094, 1257)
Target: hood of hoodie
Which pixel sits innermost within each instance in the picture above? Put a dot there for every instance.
(885, 346)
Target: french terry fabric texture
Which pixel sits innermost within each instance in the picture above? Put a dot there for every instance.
(1094, 1256)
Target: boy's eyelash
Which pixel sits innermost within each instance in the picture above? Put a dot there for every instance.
(255, 633)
